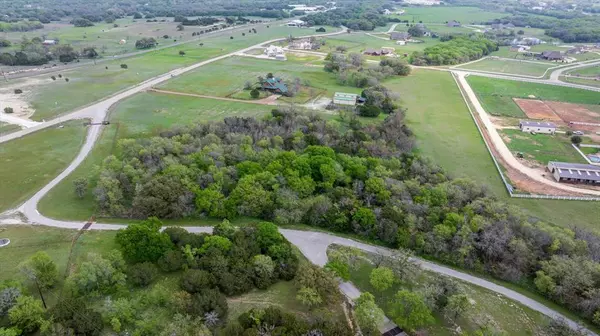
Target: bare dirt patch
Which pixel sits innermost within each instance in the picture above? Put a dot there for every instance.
(574, 112)
(8, 97)
(536, 109)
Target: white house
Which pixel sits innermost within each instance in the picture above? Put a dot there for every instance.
(537, 126)
(273, 51)
(340, 98)
(49, 42)
(296, 23)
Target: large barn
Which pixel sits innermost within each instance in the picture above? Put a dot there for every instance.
(575, 172)
(537, 126)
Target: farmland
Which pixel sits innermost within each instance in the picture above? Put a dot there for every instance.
(443, 14)
(496, 94)
(514, 67)
(28, 163)
(541, 148)
(91, 83)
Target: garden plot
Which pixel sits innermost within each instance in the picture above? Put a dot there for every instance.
(536, 109)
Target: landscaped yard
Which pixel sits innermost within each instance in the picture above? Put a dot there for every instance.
(541, 147)
(510, 67)
(511, 317)
(29, 163)
(142, 115)
(496, 95)
(227, 77)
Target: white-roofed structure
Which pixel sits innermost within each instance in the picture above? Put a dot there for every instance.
(575, 172)
(537, 126)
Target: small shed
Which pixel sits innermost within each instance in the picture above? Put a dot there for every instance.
(537, 126)
(49, 42)
(341, 98)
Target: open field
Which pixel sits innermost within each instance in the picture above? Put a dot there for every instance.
(440, 120)
(142, 115)
(582, 81)
(358, 42)
(508, 67)
(227, 77)
(496, 94)
(443, 14)
(593, 71)
(29, 163)
(50, 98)
(511, 317)
(541, 147)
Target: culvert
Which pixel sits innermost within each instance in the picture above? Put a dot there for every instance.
(4, 242)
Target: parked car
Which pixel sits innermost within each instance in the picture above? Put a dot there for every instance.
(578, 132)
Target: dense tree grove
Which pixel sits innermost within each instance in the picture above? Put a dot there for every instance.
(584, 29)
(292, 168)
(33, 52)
(351, 70)
(21, 26)
(457, 50)
(353, 17)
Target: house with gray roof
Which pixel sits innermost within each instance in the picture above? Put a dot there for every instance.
(552, 55)
(400, 36)
(537, 126)
(575, 172)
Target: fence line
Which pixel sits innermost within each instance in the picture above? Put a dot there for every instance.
(509, 188)
(583, 123)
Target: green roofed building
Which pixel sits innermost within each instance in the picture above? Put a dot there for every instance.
(275, 85)
(340, 98)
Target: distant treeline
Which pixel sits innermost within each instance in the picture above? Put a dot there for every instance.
(22, 26)
(582, 29)
(353, 17)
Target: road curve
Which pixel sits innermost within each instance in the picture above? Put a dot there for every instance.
(555, 75)
(312, 244)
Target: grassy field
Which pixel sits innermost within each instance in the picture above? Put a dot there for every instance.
(227, 77)
(6, 128)
(28, 163)
(440, 120)
(358, 42)
(582, 81)
(142, 115)
(509, 67)
(542, 147)
(496, 94)
(592, 71)
(443, 14)
(511, 317)
(91, 83)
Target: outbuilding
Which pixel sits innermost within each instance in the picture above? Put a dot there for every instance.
(537, 126)
(575, 172)
(341, 98)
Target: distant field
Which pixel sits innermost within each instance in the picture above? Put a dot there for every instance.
(226, 77)
(358, 42)
(142, 115)
(443, 14)
(509, 67)
(542, 147)
(440, 29)
(496, 94)
(592, 71)
(29, 163)
(505, 52)
(91, 83)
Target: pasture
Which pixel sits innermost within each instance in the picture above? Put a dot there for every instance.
(514, 67)
(443, 14)
(227, 78)
(496, 95)
(541, 148)
(90, 83)
(581, 81)
(592, 71)
(358, 42)
(29, 163)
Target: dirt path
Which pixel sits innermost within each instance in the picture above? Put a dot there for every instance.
(504, 154)
(270, 100)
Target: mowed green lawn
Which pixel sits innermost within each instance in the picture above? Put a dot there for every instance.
(226, 77)
(142, 115)
(91, 83)
(443, 14)
(511, 317)
(496, 95)
(542, 147)
(6, 128)
(29, 163)
(509, 67)
(447, 134)
(582, 81)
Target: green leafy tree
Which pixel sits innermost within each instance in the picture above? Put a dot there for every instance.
(576, 140)
(382, 278)
(195, 281)
(309, 297)
(254, 93)
(409, 311)
(267, 234)
(81, 185)
(95, 276)
(457, 305)
(368, 315)
(220, 243)
(144, 241)
(10, 332)
(72, 314)
(41, 269)
(185, 325)
(27, 314)
(339, 268)
(142, 274)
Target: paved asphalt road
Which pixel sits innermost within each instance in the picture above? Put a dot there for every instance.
(312, 244)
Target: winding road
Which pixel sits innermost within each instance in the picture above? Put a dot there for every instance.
(312, 244)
